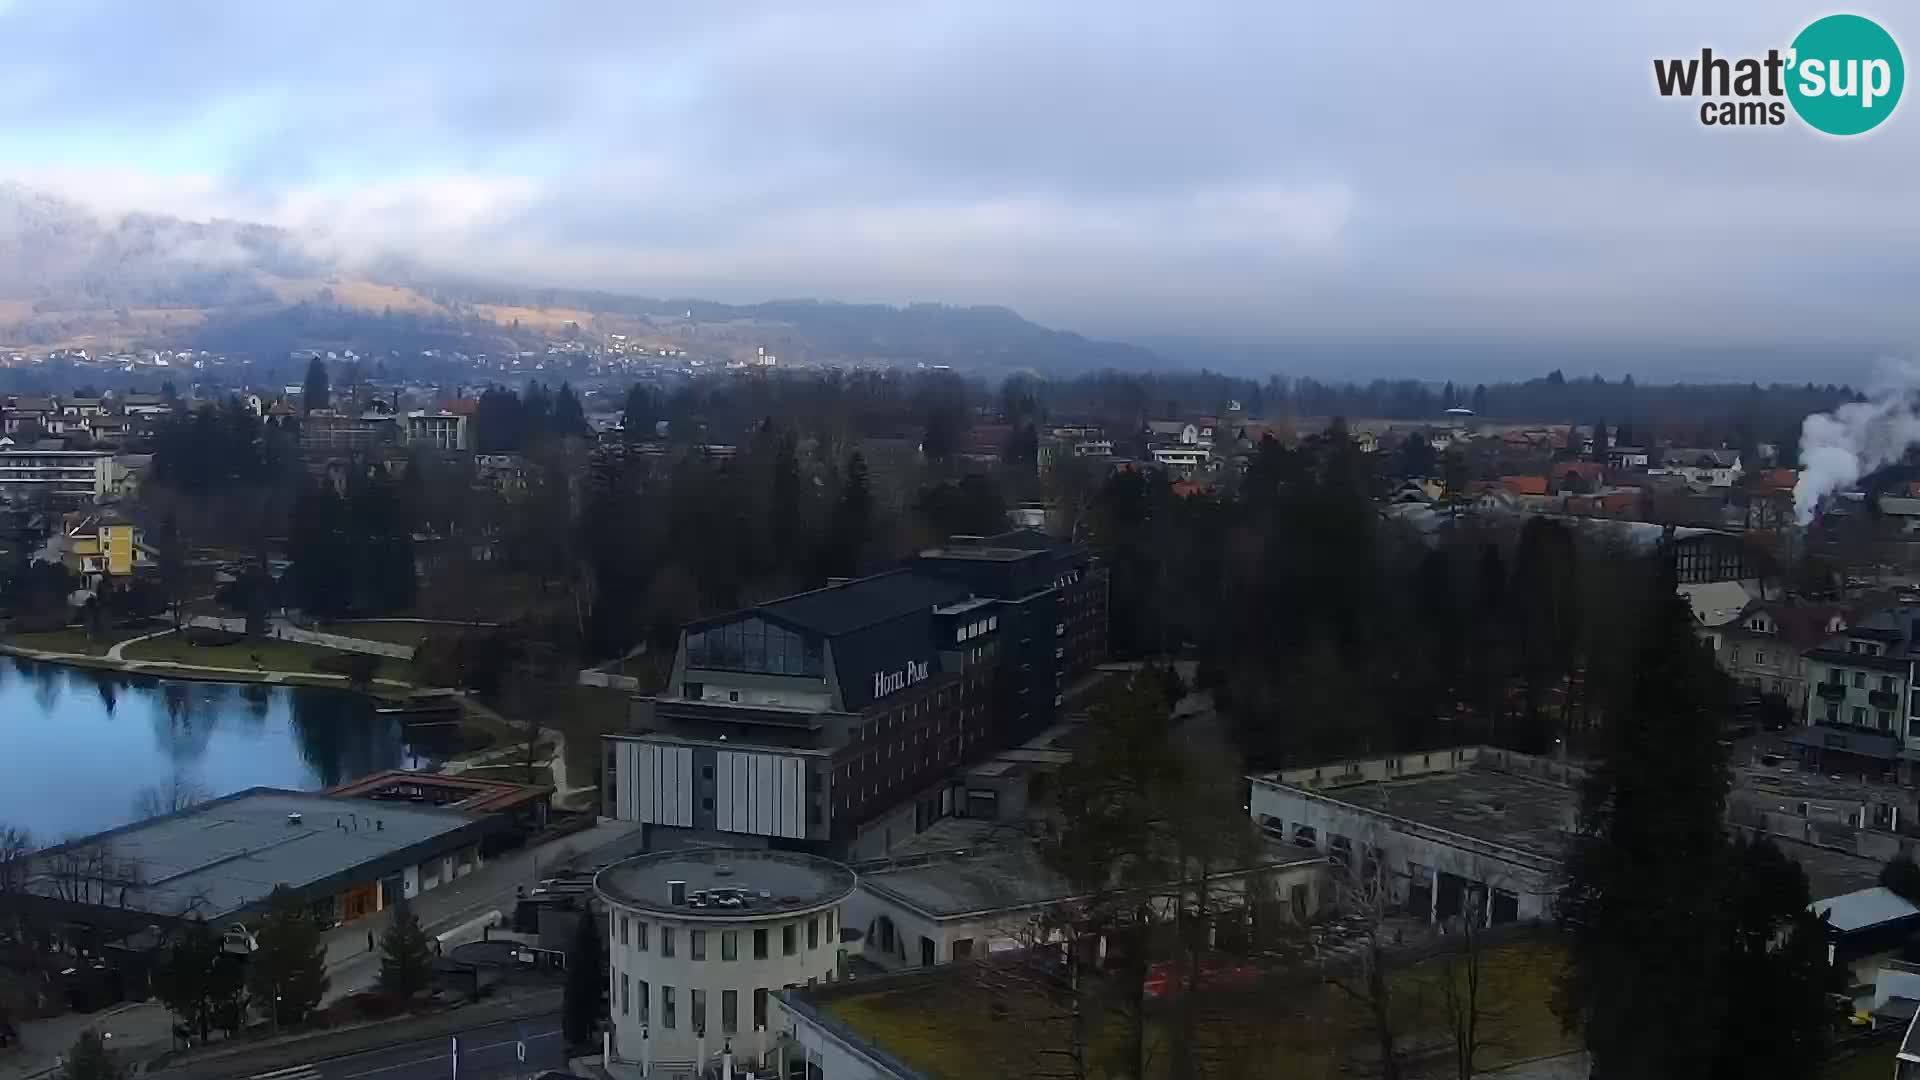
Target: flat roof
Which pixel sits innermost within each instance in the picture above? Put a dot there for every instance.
(1483, 804)
(227, 854)
(1007, 872)
(452, 790)
(1864, 908)
(767, 882)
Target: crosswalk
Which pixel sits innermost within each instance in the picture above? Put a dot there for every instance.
(291, 1072)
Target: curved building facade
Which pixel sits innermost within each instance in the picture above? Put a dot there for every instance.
(698, 941)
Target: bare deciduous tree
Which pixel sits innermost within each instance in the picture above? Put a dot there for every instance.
(178, 793)
(1362, 887)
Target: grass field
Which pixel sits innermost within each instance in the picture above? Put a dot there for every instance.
(961, 1028)
(260, 654)
(75, 640)
(397, 633)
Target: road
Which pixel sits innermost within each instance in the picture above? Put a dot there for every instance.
(486, 1053)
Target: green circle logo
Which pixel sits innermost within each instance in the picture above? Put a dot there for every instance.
(1845, 74)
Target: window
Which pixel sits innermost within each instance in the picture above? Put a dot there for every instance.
(1760, 657)
(1886, 684)
(729, 944)
(1859, 716)
(623, 930)
(760, 1007)
(729, 1012)
(813, 933)
(625, 1002)
(927, 952)
(1883, 719)
(698, 940)
(666, 941)
(643, 1001)
(700, 1012)
(1833, 712)
(789, 939)
(706, 772)
(666, 1007)
(640, 931)
(1859, 680)
(759, 944)
(962, 949)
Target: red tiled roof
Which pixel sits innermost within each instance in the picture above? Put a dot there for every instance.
(1525, 485)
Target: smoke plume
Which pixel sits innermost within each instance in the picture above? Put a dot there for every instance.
(1838, 448)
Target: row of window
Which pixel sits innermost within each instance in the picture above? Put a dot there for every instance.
(1882, 718)
(636, 1000)
(969, 631)
(635, 932)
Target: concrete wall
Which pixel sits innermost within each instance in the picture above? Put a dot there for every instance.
(824, 1051)
(990, 932)
(1407, 853)
(713, 975)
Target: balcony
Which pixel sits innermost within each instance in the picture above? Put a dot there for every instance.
(1883, 699)
(1831, 691)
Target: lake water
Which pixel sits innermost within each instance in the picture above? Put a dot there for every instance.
(79, 749)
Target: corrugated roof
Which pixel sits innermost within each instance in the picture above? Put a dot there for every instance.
(1866, 907)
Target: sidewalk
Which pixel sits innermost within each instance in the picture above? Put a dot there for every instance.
(220, 1060)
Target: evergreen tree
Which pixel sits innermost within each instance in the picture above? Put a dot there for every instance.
(406, 956)
(568, 418)
(1776, 968)
(584, 1005)
(1480, 400)
(1646, 862)
(287, 974)
(197, 981)
(852, 521)
(173, 567)
(1903, 877)
(89, 1059)
(315, 394)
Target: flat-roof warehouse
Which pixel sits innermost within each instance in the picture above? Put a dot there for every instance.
(220, 859)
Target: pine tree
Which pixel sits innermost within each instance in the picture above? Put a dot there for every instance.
(585, 1005)
(288, 975)
(197, 981)
(1646, 862)
(89, 1059)
(1776, 968)
(316, 394)
(406, 956)
(852, 518)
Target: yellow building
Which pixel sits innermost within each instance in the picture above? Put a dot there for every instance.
(98, 546)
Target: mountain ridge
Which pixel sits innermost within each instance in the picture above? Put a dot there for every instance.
(73, 278)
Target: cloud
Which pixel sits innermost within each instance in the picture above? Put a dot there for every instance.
(1377, 170)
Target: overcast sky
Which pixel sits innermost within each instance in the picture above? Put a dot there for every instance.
(1363, 171)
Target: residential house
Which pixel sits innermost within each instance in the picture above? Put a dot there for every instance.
(1861, 715)
(442, 429)
(81, 406)
(1765, 647)
(1901, 512)
(1712, 468)
(95, 545)
(1628, 457)
(145, 405)
(28, 413)
(1524, 485)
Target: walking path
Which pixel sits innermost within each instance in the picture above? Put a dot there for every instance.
(174, 669)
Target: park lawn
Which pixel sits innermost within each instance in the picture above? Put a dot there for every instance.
(396, 633)
(74, 639)
(959, 1027)
(264, 654)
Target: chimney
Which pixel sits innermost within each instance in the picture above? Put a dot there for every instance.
(676, 892)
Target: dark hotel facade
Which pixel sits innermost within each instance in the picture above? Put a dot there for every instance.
(836, 721)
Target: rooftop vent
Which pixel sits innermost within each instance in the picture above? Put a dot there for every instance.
(293, 820)
(676, 892)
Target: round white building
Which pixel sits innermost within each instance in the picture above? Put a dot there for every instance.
(698, 940)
